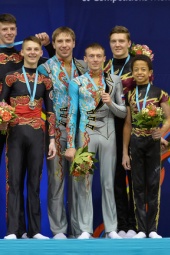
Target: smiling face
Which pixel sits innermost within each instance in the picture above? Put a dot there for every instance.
(94, 58)
(8, 32)
(31, 51)
(141, 72)
(64, 45)
(119, 45)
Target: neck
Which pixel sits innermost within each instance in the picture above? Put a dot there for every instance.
(95, 74)
(30, 66)
(66, 61)
(121, 57)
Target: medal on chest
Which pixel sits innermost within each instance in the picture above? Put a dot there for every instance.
(32, 103)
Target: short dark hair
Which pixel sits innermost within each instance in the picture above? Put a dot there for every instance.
(143, 58)
(95, 46)
(120, 30)
(7, 18)
(33, 39)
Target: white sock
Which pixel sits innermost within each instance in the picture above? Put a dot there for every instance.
(11, 236)
(60, 236)
(122, 233)
(84, 235)
(131, 233)
(140, 235)
(39, 236)
(153, 234)
(113, 235)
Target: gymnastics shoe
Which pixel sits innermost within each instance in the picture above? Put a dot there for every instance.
(39, 236)
(113, 235)
(84, 235)
(140, 235)
(59, 236)
(10, 237)
(153, 234)
(131, 233)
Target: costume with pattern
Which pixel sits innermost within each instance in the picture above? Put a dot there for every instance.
(25, 145)
(11, 60)
(124, 200)
(145, 162)
(97, 130)
(58, 168)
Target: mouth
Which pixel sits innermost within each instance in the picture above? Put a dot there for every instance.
(32, 57)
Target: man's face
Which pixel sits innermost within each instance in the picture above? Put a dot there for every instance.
(8, 32)
(31, 52)
(64, 45)
(94, 59)
(119, 45)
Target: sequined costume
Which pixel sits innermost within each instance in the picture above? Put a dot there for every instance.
(25, 145)
(145, 162)
(124, 200)
(58, 168)
(96, 128)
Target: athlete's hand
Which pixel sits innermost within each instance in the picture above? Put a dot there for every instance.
(70, 153)
(126, 162)
(44, 38)
(52, 149)
(106, 98)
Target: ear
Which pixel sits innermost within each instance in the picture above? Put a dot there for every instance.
(85, 59)
(22, 54)
(41, 53)
(129, 43)
(73, 44)
(53, 45)
(150, 73)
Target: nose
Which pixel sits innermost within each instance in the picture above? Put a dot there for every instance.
(95, 58)
(117, 43)
(9, 31)
(64, 44)
(33, 51)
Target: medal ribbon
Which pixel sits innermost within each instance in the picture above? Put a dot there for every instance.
(64, 70)
(32, 95)
(92, 81)
(10, 44)
(145, 98)
(121, 71)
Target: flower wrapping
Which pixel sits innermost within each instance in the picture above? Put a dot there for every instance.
(138, 49)
(149, 117)
(83, 163)
(7, 114)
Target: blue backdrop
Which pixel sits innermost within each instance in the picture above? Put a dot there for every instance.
(92, 20)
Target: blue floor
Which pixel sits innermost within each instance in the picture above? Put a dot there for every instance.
(86, 247)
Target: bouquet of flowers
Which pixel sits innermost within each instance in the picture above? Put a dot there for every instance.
(149, 117)
(83, 163)
(138, 49)
(7, 114)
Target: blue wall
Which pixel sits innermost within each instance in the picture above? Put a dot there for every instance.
(92, 20)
